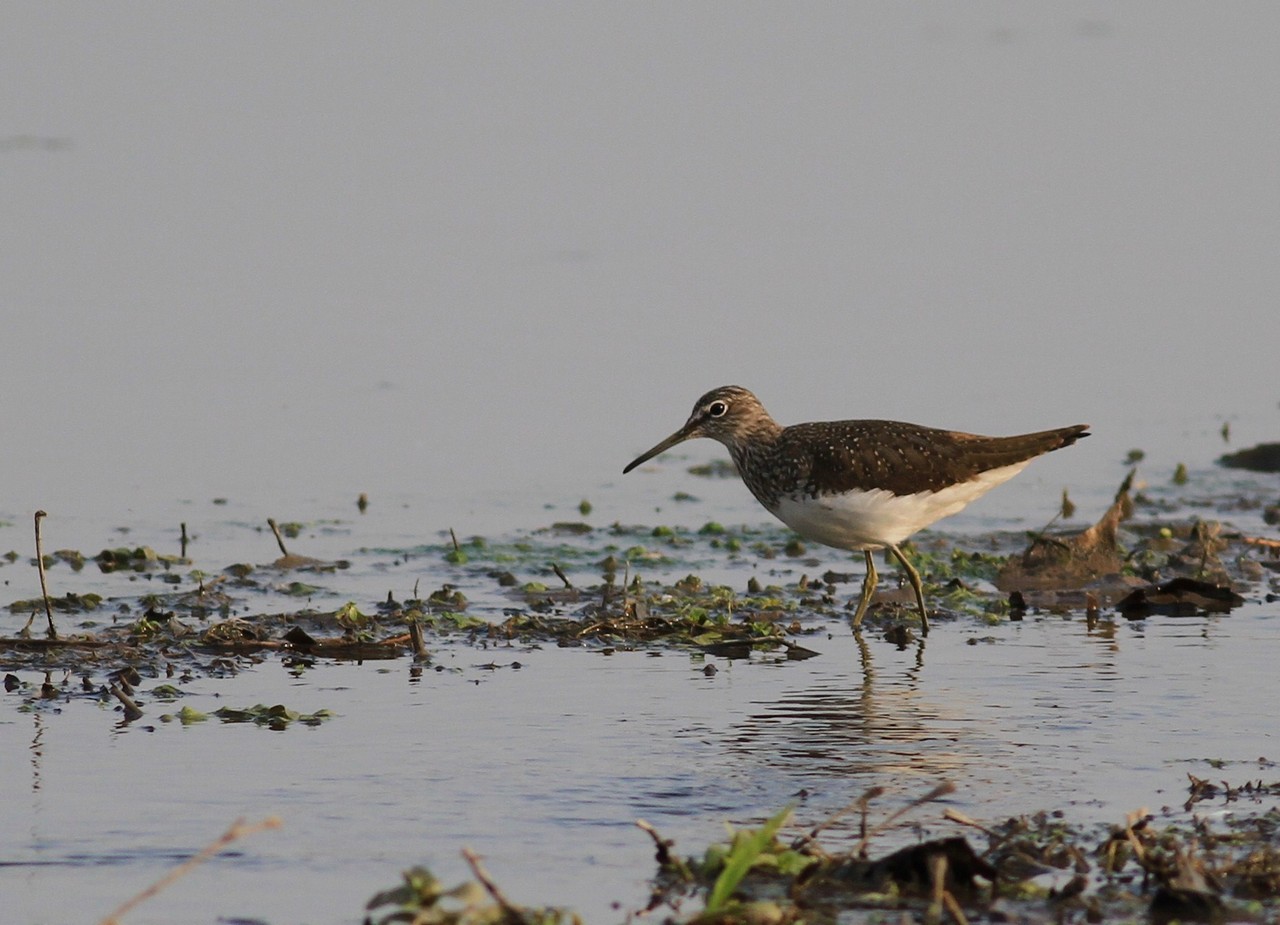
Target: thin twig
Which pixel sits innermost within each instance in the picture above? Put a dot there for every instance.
(941, 790)
(665, 857)
(860, 803)
(276, 530)
(938, 877)
(561, 575)
(956, 816)
(487, 882)
(239, 829)
(184, 541)
(942, 898)
(663, 846)
(44, 588)
(1132, 819)
(954, 908)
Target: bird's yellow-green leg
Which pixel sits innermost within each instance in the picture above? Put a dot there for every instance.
(914, 577)
(868, 588)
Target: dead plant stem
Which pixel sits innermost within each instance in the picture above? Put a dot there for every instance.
(276, 530)
(937, 792)
(487, 882)
(44, 587)
(239, 829)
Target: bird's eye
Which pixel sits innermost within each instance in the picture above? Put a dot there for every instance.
(717, 409)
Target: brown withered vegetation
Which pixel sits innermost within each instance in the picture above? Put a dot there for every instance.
(1069, 562)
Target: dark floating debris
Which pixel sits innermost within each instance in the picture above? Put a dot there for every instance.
(915, 870)
(1176, 904)
(1265, 457)
(1179, 597)
(731, 650)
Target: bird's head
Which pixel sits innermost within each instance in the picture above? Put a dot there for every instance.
(730, 414)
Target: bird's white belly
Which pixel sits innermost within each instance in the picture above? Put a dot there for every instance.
(871, 519)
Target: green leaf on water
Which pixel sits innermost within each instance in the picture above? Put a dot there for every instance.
(746, 849)
(457, 620)
(165, 692)
(348, 616)
(448, 596)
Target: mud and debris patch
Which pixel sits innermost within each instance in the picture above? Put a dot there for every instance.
(719, 590)
(421, 899)
(1058, 562)
(1031, 868)
(921, 870)
(582, 588)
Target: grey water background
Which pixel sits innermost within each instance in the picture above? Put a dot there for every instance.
(471, 258)
(464, 251)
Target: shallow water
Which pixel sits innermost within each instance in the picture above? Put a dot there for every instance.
(543, 768)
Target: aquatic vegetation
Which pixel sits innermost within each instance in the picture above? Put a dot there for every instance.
(277, 717)
(139, 559)
(70, 602)
(573, 584)
(421, 899)
(746, 850)
(1031, 867)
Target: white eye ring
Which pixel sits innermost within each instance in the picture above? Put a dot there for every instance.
(717, 409)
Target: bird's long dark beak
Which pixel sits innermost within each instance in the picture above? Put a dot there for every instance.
(681, 435)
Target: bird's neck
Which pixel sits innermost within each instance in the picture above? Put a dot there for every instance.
(754, 443)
